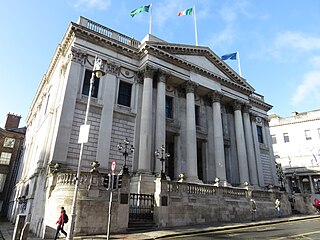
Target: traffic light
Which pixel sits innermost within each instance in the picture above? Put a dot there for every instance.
(106, 181)
(119, 180)
(114, 181)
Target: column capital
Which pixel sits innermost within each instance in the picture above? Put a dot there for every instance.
(237, 105)
(78, 55)
(216, 96)
(139, 77)
(191, 86)
(246, 108)
(148, 72)
(163, 76)
(112, 68)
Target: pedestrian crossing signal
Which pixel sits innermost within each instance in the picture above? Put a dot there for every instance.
(106, 181)
(119, 180)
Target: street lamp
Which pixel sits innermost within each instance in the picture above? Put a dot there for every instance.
(83, 138)
(163, 157)
(125, 152)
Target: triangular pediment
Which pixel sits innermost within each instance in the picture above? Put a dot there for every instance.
(203, 59)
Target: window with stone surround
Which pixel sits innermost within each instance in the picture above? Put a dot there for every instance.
(307, 133)
(286, 137)
(5, 158)
(169, 107)
(124, 94)
(2, 181)
(274, 139)
(86, 84)
(260, 134)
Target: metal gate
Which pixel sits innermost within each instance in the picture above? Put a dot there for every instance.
(141, 208)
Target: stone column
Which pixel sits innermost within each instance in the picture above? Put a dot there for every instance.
(191, 143)
(240, 142)
(138, 100)
(106, 115)
(249, 145)
(144, 165)
(219, 156)
(267, 136)
(160, 116)
(257, 150)
(73, 72)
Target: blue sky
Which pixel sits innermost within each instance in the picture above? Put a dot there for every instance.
(278, 42)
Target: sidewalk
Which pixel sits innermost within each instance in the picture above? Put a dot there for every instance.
(6, 228)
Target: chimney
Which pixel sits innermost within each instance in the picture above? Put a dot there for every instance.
(12, 121)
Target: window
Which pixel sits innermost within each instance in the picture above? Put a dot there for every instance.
(169, 107)
(260, 135)
(319, 132)
(307, 133)
(197, 109)
(286, 137)
(5, 158)
(9, 142)
(274, 139)
(2, 181)
(124, 96)
(86, 84)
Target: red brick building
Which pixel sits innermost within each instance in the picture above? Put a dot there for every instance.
(11, 144)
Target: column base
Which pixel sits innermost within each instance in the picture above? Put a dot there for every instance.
(193, 180)
(142, 183)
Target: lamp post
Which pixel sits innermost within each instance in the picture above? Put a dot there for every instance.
(163, 157)
(83, 138)
(125, 152)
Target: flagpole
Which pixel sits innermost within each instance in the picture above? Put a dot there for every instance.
(195, 24)
(150, 27)
(239, 67)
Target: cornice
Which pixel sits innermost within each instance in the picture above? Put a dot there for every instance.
(258, 103)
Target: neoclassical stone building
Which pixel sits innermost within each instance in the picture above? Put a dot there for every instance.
(296, 144)
(154, 93)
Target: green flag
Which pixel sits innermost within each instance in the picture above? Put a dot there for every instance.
(140, 9)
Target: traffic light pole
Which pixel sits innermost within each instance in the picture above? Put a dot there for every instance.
(110, 205)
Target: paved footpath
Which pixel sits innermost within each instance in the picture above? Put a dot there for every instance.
(6, 229)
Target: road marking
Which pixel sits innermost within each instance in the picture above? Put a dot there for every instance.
(297, 235)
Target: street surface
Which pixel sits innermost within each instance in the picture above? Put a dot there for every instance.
(302, 229)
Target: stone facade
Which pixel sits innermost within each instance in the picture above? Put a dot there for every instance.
(154, 94)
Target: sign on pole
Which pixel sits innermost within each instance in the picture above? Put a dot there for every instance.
(113, 166)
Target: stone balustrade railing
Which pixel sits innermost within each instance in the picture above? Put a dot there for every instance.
(189, 188)
(96, 27)
(233, 192)
(86, 179)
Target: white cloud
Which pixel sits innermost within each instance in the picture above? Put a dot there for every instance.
(297, 41)
(315, 61)
(308, 90)
(99, 4)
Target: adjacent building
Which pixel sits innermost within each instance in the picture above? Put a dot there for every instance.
(296, 145)
(11, 146)
(209, 119)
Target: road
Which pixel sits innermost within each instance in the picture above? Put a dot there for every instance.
(302, 229)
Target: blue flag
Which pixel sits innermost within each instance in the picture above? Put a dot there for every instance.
(231, 56)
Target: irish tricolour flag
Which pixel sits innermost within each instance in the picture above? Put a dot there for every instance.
(185, 12)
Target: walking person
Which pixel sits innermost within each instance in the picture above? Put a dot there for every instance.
(253, 209)
(60, 223)
(277, 206)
